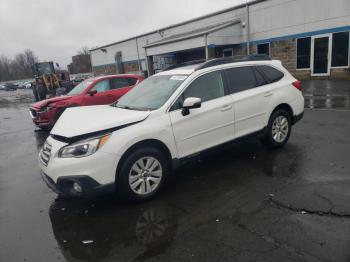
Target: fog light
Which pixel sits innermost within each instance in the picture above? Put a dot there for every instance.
(77, 187)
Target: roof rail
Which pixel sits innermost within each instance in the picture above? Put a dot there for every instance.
(193, 62)
(236, 59)
(219, 61)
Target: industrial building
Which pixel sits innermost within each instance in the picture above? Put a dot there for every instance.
(310, 37)
(80, 64)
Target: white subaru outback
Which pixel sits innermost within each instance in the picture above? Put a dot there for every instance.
(132, 145)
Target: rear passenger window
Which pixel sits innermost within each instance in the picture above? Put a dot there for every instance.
(272, 74)
(206, 87)
(117, 83)
(240, 78)
(260, 80)
(131, 81)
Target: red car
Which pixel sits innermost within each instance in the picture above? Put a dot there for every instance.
(93, 91)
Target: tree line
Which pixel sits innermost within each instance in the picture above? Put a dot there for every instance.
(20, 67)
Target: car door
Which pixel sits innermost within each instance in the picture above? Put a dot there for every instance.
(209, 125)
(120, 86)
(251, 95)
(101, 97)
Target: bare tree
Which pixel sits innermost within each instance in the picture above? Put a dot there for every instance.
(19, 67)
(84, 50)
(30, 57)
(5, 64)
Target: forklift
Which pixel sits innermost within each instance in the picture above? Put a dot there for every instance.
(51, 76)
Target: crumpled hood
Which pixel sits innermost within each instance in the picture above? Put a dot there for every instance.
(78, 121)
(45, 102)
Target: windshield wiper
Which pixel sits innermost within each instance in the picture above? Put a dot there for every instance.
(123, 107)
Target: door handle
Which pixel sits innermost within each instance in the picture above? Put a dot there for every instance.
(267, 94)
(226, 108)
(109, 95)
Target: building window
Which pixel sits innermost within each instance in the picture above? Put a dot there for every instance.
(227, 52)
(303, 53)
(340, 49)
(264, 49)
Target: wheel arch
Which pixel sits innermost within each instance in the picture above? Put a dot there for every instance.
(155, 143)
(286, 107)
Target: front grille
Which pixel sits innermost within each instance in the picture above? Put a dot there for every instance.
(33, 112)
(45, 153)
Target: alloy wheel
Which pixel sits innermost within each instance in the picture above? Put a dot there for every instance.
(145, 175)
(280, 128)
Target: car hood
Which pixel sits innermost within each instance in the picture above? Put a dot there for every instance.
(81, 121)
(45, 102)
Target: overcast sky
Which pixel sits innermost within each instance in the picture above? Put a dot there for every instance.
(56, 29)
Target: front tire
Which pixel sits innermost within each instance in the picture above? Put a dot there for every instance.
(142, 174)
(278, 130)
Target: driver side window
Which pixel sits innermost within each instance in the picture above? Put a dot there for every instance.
(206, 87)
(102, 86)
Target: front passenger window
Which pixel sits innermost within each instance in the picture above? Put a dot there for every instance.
(206, 87)
(102, 86)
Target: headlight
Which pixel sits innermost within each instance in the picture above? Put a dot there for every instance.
(83, 148)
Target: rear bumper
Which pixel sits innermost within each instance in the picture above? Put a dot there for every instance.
(64, 186)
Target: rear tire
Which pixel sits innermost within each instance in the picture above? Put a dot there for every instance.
(142, 174)
(278, 130)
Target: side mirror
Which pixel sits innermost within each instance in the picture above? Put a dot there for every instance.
(92, 92)
(190, 103)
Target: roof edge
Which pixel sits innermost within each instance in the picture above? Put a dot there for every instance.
(193, 35)
(253, 2)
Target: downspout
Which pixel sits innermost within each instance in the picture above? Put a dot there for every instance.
(248, 28)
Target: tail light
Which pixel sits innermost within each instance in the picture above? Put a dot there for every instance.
(297, 84)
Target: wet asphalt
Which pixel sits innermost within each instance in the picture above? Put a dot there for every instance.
(246, 203)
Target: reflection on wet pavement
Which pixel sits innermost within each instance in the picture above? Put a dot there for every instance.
(327, 94)
(113, 229)
(327, 102)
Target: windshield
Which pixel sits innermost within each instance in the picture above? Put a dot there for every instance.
(152, 93)
(45, 68)
(80, 88)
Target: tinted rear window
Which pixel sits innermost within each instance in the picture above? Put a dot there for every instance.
(240, 78)
(121, 82)
(272, 74)
(260, 80)
(131, 81)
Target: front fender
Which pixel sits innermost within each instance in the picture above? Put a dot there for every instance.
(151, 129)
